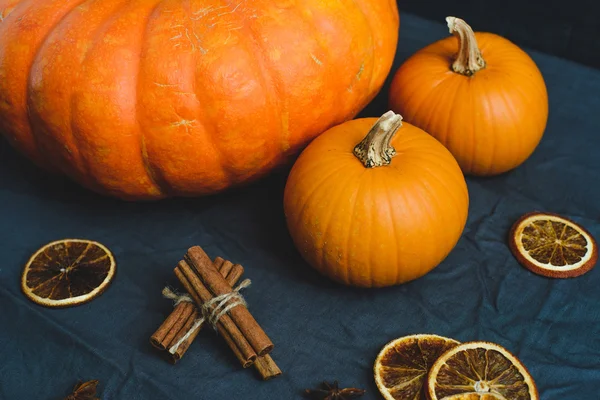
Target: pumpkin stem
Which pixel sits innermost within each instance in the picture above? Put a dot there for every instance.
(375, 149)
(469, 59)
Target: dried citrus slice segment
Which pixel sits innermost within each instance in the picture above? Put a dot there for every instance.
(479, 371)
(402, 365)
(68, 272)
(552, 246)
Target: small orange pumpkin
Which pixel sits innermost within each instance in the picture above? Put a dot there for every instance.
(481, 96)
(374, 214)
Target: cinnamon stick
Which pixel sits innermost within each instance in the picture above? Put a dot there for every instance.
(240, 317)
(232, 274)
(182, 317)
(225, 326)
(266, 367)
(168, 331)
(189, 311)
(177, 353)
(225, 267)
(163, 335)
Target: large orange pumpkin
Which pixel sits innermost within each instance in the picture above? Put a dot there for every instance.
(480, 95)
(379, 213)
(145, 99)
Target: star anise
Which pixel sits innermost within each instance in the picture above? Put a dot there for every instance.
(84, 391)
(333, 392)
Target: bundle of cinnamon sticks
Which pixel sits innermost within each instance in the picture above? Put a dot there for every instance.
(210, 284)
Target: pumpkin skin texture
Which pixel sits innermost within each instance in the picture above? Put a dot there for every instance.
(380, 226)
(146, 99)
(491, 120)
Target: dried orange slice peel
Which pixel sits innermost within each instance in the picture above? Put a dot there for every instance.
(402, 365)
(68, 272)
(553, 246)
(479, 371)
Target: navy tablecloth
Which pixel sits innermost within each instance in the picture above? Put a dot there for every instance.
(322, 331)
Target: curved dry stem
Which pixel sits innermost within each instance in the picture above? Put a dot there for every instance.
(375, 149)
(468, 60)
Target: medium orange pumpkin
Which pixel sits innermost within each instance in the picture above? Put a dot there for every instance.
(144, 99)
(481, 96)
(375, 214)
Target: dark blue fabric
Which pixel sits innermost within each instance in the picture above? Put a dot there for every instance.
(565, 29)
(321, 330)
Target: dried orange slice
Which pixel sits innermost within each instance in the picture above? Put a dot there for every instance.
(479, 371)
(68, 272)
(402, 365)
(552, 246)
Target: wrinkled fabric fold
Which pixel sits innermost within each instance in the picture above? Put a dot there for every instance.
(322, 331)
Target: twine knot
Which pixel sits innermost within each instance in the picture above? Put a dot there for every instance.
(212, 310)
(224, 303)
